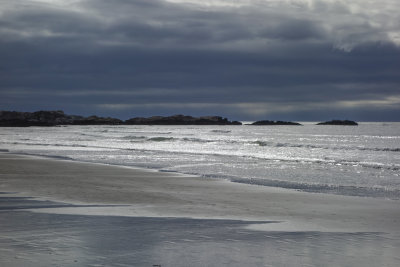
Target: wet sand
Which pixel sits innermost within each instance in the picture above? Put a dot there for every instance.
(81, 212)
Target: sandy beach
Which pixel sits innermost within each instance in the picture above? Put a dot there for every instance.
(60, 201)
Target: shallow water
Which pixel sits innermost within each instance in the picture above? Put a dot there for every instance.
(345, 160)
(41, 239)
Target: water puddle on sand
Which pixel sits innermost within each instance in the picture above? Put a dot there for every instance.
(45, 239)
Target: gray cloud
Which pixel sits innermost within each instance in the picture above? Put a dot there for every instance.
(263, 58)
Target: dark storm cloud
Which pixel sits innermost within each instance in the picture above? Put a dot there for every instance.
(147, 57)
(293, 29)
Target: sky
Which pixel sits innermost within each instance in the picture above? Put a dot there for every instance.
(301, 60)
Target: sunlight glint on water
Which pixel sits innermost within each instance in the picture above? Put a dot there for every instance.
(361, 161)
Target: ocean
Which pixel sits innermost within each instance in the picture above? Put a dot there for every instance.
(359, 160)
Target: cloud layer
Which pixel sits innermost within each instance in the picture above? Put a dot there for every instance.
(293, 59)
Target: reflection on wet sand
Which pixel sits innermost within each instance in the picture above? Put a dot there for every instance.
(41, 239)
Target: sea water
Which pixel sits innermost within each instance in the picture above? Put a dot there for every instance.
(359, 160)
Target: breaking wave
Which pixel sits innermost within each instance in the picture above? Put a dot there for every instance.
(274, 144)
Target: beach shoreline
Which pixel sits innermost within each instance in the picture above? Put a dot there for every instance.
(57, 212)
(150, 193)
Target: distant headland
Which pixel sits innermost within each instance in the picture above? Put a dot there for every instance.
(58, 117)
(54, 118)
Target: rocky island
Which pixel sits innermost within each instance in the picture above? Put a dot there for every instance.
(339, 122)
(55, 118)
(267, 122)
(181, 120)
(50, 118)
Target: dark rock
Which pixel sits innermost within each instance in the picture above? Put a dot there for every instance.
(339, 122)
(50, 118)
(94, 120)
(38, 118)
(54, 118)
(267, 122)
(181, 120)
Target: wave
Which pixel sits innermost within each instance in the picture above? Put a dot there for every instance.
(388, 149)
(150, 133)
(348, 190)
(91, 135)
(134, 137)
(260, 155)
(264, 143)
(325, 161)
(60, 145)
(220, 131)
(332, 162)
(379, 166)
(44, 144)
(160, 139)
(197, 140)
(274, 144)
(47, 156)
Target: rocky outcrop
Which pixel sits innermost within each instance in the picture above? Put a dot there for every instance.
(53, 118)
(94, 120)
(39, 118)
(181, 120)
(267, 122)
(339, 122)
(50, 118)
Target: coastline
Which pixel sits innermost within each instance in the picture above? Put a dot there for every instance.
(56, 212)
(150, 193)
